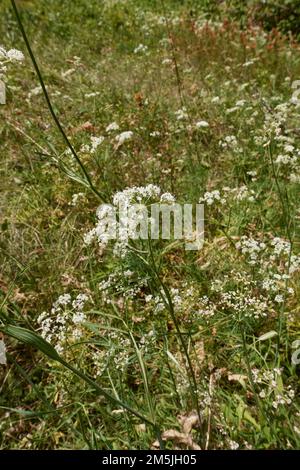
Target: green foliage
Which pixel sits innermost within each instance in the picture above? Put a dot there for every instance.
(164, 334)
(283, 15)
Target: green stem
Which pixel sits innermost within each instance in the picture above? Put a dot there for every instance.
(52, 112)
(193, 384)
(248, 365)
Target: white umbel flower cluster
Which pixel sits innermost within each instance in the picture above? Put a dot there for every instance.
(212, 197)
(120, 220)
(95, 142)
(201, 124)
(113, 126)
(12, 55)
(121, 138)
(136, 194)
(270, 383)
(6, 58)
(63, 324)
(250, 247)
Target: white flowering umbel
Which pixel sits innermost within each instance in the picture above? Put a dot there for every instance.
(122, 220)
(270, 384)
(64, 323)
(228, 196)
(113, 126)
(121, 138)
(250, 247)
(6, 58)
(212, 197)
(280, 129)
(274, 256)
(95, 143)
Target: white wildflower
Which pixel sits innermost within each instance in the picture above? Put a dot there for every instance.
(92, 94)
(201, 124)
(212, 197)
(113, 126)
(154, 134)
(233, 445)
(76, 197)
(181, 114)
(121, 138)
(140, 48)
(95, 142)
(167, 198)
(14, 54)
(63, 299)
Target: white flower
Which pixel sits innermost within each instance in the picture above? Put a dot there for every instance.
(14, 54)
(200, 124)
(181, 114)
(130, 204)
(281, 246)
(251, 247)
(279, 299)
(35, 91)
(286, 159)
(121, 138)
(63, 299)
(167, 198)
(140, 48)
(113, 126)
(294, 264)
(75, 198)
(77, 333)
(243, 193)
(89, 237)
(240, 103)
(233, 445)
(92, 95)
(210, 197)
(79, 302)
(154, 134)
(289, 148)
(128, 273)
(95, 142)
(229, 141)
(78, 318)
(248, 63)
(136, 193)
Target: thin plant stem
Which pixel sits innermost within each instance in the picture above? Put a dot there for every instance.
(285, 209)
(49, 104)
(169, 303)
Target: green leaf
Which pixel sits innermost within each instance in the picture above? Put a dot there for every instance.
(31, 338)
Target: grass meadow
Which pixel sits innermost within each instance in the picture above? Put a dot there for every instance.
(143, 344)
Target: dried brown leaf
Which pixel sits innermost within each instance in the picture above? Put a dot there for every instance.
(189, 422)
(180, 438)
